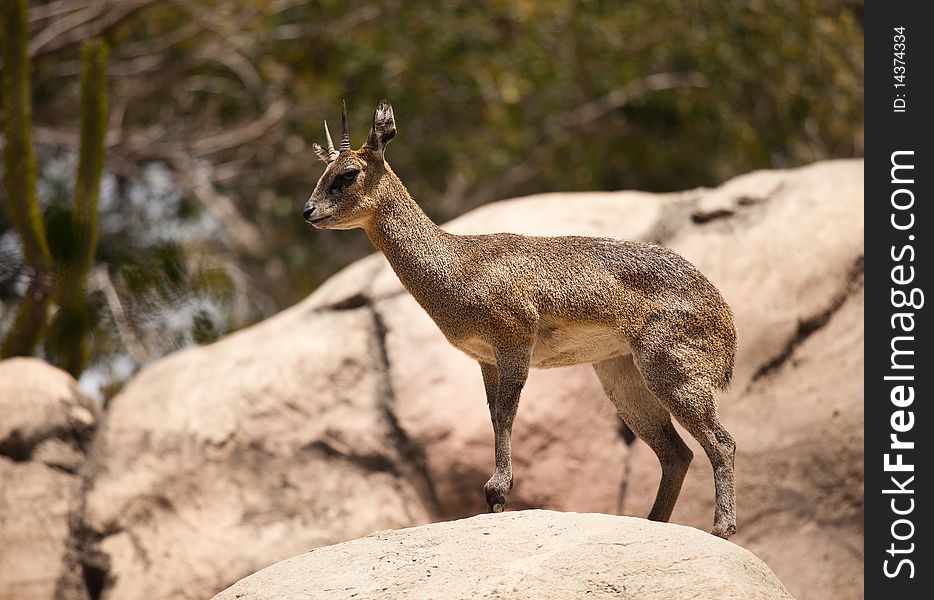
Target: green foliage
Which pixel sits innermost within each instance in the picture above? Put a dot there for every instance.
(204, 330)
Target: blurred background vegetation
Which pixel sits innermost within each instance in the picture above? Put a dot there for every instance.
(211, 107)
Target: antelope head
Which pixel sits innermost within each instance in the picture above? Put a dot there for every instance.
(350, 189)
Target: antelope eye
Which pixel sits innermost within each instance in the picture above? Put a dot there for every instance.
(343, 180)
(349, 176)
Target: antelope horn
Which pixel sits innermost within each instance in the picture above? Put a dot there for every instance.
(345, 132)
(327, 137)
(332, 153)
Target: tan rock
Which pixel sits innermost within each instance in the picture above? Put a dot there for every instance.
(37, 401)
(781, 258)
(45, 424)
(220, 460)
(526, 554)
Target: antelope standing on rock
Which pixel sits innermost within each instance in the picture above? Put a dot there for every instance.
(658, 333)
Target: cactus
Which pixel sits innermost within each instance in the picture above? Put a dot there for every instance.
(69, 335)
(19, 179)
(67, 340)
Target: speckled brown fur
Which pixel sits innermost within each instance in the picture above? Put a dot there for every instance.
(659, 334)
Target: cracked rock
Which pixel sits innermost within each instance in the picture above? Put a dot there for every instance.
(219, 460)
(45, 424)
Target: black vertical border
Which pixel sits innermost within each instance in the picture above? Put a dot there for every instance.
(888, 131)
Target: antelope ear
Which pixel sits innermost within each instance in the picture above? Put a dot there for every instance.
(323, 154)
(384, 128)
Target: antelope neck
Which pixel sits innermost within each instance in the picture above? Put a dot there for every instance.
(421, 253)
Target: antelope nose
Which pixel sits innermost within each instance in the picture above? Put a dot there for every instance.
(309, 208)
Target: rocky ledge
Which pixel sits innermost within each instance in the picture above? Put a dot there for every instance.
(522, 554)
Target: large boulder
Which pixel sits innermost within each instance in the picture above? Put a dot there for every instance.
(220, 460)
(350, 412)
(45, 427)
(526, 554)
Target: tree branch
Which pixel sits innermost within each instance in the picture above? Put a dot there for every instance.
(196, 177)
(100, 280)
(83, 24)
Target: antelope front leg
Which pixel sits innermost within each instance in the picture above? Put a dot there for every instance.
(497, 486)
(503, 385)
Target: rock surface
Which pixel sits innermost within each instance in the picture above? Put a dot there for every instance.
(45, 425)
(350, 413)
(219, 460)
(527, 554)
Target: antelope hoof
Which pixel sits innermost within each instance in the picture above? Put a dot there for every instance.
(496, 505)
(724, 531)
(495, 496)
